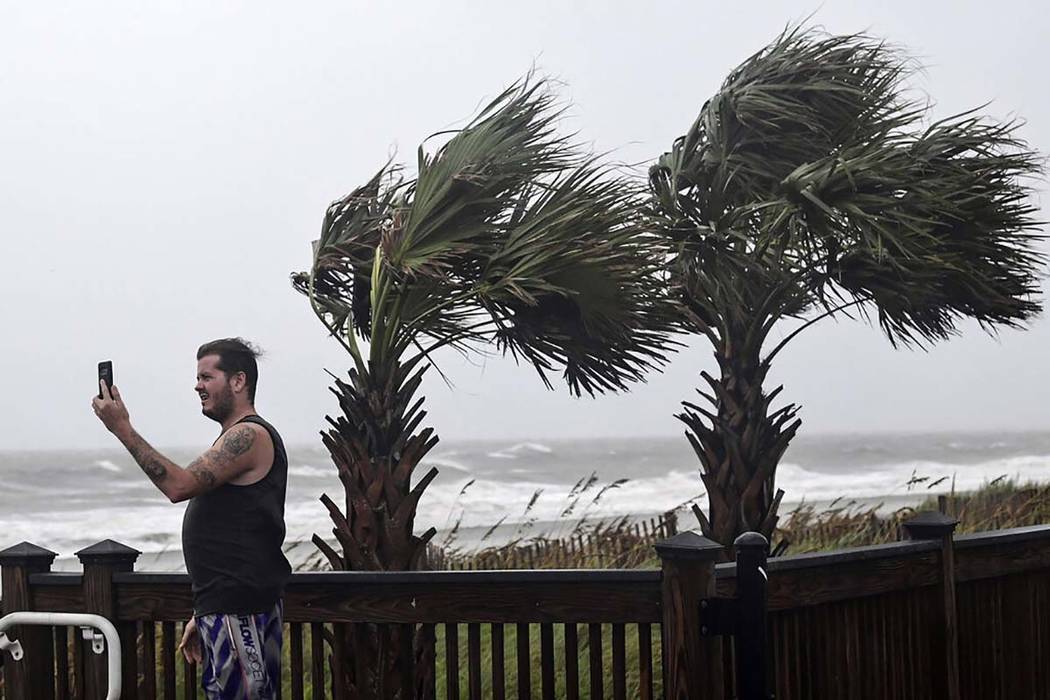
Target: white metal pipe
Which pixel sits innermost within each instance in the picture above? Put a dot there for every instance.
(109, 632)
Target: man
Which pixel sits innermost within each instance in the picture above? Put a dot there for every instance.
(233, 528)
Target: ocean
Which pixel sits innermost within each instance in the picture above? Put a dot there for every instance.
(65, 500)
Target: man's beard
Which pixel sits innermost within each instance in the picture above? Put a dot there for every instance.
(221, 407)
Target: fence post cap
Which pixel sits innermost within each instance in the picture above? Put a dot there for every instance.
(689, 545)
(25, 553)
(751, 540)
(928, 525)
(108, 552)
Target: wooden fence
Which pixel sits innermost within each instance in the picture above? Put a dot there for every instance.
(930, 617)
(555, 633)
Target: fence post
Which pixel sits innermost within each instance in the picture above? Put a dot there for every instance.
(751, 585)
(670, 519)
(100, 562)
(33, 677)
(932, 525)
(692, 664)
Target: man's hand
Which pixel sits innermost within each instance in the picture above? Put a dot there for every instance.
(110, 409)
(190, 646)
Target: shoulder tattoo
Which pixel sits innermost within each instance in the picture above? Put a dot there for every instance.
(234, 444)
(238, 441)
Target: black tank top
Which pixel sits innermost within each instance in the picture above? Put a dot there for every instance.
(232, 537)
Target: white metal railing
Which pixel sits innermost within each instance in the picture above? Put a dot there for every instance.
(88, 625)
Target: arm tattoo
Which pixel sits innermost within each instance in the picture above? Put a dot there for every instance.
(202, 474)
(148, 458)
(238, 441)
(234, 444)
(163, 472)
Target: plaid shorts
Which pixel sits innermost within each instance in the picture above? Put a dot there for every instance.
(241, 655)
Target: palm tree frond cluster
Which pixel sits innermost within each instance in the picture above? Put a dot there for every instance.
(506, 234)
(812, 159)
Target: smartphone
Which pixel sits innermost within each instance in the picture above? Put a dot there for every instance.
(105, 374)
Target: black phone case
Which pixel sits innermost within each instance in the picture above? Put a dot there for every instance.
(105, 373)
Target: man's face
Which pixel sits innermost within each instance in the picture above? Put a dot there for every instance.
(213, 386)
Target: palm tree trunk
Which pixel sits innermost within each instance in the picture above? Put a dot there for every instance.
(739, 443)
(375, 446)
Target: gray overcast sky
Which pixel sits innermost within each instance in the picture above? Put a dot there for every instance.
(164, 166)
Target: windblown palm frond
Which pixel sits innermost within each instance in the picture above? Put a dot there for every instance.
(811, 183)
(507, 234)
(811, 159)
(574, 283)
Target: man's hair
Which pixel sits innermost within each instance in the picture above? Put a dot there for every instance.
(235, 355)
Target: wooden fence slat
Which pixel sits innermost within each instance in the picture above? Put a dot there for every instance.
(426, 662)
(798, 645)
(317, 673)
(917, 643)
(524, 662)
(295, 662)
(149, 661)
(499, 684)
(853, 658)
(474, 660)
(547, 660)
(645, 661)
(910, 646)
(619, 662)
(61, 637)
(596, 674)
(729, 666)
(895, 644)
(406, 634)
(78, 665)
(452, 661)
(886, 632)
(572, 662)
(997, 598)
(129, 663)
(168, 656)
(910, 682)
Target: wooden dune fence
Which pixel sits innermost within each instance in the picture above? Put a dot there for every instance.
(619, 544)
(934, 616)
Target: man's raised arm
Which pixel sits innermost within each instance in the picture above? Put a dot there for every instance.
(220, 464)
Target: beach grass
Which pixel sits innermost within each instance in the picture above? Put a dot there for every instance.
(999, 504)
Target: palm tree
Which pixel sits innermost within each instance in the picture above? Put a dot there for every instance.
(811, 185)
(507, 236)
